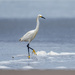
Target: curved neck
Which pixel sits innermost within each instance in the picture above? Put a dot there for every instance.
(37, 26)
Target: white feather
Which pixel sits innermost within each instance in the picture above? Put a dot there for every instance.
(29, 36)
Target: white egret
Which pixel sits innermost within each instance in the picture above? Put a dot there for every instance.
(30, 35)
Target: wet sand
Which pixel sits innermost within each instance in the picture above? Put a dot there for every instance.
(37, 72)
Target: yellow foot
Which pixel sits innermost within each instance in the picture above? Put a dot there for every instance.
(34, 52)
(28, 57)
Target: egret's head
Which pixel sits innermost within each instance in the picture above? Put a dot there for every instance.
(41, 16)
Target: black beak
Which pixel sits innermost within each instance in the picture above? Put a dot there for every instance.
(43, 17)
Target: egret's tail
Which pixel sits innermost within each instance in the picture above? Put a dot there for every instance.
(19, 39)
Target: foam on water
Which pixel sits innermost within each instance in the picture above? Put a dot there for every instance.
(4, 67)
(15, 61)
(27, 67)
(41, 53)
(44, 53)
(4, 62)
(61, 67)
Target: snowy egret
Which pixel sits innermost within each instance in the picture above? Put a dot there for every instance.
(30, 35)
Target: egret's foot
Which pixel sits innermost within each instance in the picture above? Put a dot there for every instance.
(34, 52)
(28, 57)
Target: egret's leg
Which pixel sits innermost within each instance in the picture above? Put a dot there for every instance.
(33, 50)
(28, 51)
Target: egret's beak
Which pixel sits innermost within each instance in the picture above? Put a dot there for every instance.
(43, 17)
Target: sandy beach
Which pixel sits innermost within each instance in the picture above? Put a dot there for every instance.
(37, 72)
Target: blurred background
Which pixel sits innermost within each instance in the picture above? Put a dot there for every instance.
(30, 8)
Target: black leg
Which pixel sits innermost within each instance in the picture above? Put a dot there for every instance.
(33, 50)
(28, 49)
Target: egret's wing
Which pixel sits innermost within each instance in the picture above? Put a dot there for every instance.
(28, 36)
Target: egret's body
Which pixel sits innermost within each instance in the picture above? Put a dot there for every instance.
(30, 35)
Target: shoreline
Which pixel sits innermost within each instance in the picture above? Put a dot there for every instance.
(37, 72)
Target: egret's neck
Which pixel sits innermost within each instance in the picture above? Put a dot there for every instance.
(37, 26)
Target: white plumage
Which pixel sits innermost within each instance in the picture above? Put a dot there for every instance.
(29, 36)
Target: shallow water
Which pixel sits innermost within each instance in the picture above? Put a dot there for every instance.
(47, 57)
(54, 44)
